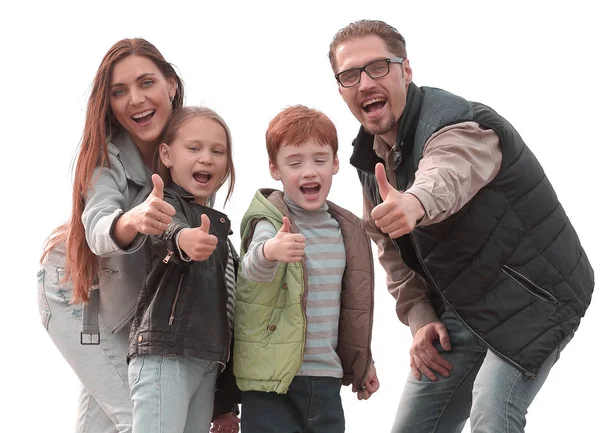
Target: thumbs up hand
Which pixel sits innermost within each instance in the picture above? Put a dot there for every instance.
(285, 246)
(399, 212)
(197, 243)
(153, 216)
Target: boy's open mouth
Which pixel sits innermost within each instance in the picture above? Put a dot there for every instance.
(310, 189)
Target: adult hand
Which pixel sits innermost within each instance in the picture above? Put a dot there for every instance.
(153, 216)
(196, 242)
(285, 246)
(226, 423)
(371, 385)
(399, 212)
(424, 357)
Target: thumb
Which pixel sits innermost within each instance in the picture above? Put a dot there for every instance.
(444, 338)
(205, 223)
(158, 186)
(286, 225)
(382, 182)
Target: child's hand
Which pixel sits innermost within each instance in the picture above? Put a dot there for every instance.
(226, 423)
(371, 385)
(196, 242)
(285, 246)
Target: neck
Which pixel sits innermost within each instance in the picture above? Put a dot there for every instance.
(390, 136)
(147, 152)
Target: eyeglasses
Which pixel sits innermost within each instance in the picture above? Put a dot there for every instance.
(375, 69)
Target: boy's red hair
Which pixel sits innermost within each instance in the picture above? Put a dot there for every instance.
(298, 124)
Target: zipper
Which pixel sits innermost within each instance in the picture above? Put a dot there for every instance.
(369, 353)
(523, 281)
(167, 257)
(175, 300)
(525, 372)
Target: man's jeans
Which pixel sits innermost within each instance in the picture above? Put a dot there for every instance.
(482, 386)
(104, 403)
(311, 405)
(172, 393)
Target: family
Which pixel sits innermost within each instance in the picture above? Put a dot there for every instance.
(168, 329)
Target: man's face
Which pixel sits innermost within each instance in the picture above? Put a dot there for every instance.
(376, 103)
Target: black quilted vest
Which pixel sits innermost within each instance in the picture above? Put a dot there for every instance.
(509, 263)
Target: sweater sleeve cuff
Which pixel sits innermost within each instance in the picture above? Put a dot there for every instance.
(182, 255)
(420, 315)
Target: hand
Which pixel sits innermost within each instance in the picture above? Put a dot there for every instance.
(285, 246)
(196, 242)
(399, 212)
(424, 357)
(226, 423)
(371, 384)
(153, 216)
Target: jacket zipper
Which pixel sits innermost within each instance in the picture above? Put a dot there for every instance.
(523, 281)
(175, 301)
(167, 257)
(525, 372)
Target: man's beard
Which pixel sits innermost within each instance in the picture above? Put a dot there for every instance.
(382, 128)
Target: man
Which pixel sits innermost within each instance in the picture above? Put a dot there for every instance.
(479, 254)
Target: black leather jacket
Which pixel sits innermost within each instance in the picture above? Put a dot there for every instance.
(182, 305)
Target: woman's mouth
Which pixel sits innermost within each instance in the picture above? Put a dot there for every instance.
(144, 116)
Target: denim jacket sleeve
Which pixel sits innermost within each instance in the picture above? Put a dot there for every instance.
(108, 197)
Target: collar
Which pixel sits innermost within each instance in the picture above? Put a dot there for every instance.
(128, 153)
(364, 157)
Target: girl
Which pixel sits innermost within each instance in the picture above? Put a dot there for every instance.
(132, 96)
(181, 331)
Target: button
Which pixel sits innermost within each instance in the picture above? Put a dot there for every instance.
(222, 220)
(140, 338)
(284, 286)
(272, 328)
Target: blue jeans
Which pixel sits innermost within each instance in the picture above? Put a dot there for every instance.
(491, 392)
(104, 402)
(311, 405)
(172, 393)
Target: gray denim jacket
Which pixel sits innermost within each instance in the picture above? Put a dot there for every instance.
(116, 188)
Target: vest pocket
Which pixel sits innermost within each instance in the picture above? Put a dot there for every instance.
(530, 286)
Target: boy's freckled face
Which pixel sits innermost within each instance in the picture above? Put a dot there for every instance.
(306, 172)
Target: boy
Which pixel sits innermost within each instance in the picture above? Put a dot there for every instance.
(304, 303)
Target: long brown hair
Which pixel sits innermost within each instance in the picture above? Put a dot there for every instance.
(178, 118)
(100, 124)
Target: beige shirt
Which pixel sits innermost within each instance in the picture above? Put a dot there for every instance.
(457, 162)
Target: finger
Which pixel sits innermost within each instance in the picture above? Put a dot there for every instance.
(205, 226)
(415, 371)
(382, 182)
(165, 208)
(432, 364)
(444, 338)
(159, 186)
(424, 369)
(380, 211)
(285, 228)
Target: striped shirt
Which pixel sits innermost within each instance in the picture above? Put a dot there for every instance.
(325, 258)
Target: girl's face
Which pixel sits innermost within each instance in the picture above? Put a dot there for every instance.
(140, 99)
(197, 158)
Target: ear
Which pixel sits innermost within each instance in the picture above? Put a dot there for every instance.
(163, 151)
(407, 71)
(336, 164)
(274, 171)
(172, 83)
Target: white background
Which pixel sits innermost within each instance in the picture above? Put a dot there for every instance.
(535, 64)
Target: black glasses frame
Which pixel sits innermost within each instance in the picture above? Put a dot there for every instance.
(364, 69)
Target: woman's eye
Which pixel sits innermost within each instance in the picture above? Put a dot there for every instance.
(147, 83)
(118, 92)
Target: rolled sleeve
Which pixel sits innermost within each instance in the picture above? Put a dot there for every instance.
(105, 203)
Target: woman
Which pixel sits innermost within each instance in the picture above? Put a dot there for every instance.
(133, 94)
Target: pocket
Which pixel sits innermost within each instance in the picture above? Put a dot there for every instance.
(134, 370)
(530, 286)
(43, 306)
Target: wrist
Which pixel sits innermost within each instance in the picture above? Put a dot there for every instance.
(266, 250)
